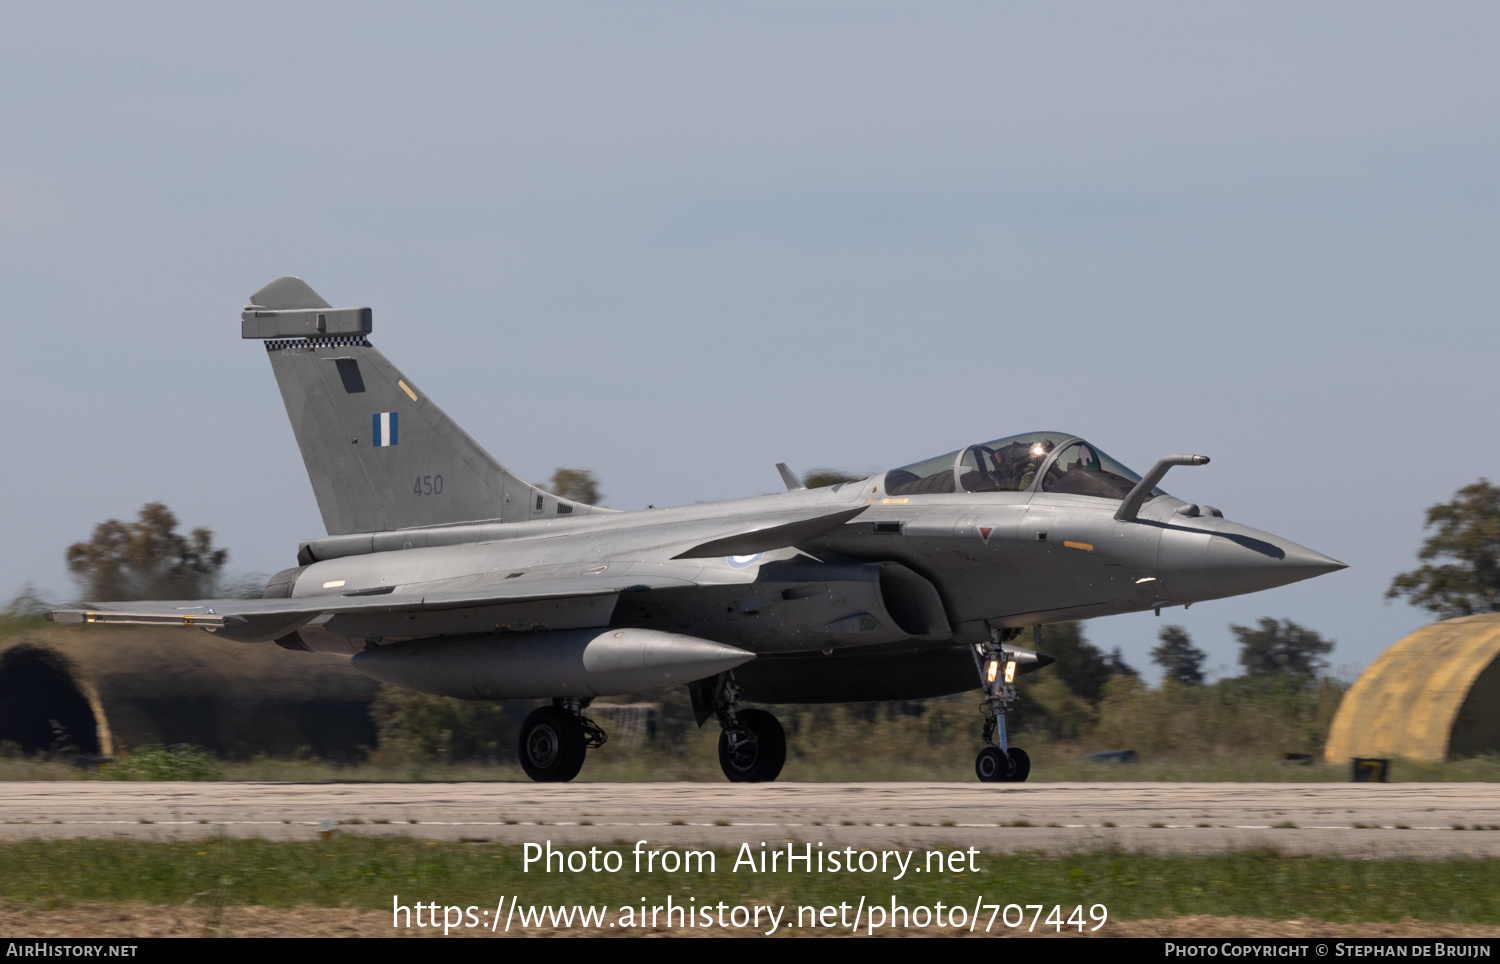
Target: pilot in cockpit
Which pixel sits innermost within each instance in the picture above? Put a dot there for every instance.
(1035, 456)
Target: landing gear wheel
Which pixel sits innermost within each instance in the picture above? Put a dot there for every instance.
(1022, 764)
(754, 761)
(992, 766)
(552, 745)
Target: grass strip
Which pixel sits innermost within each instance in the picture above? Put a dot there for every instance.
(366, 872)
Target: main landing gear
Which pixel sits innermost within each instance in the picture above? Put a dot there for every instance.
(999, 762)
(555, 738)
(752, 744)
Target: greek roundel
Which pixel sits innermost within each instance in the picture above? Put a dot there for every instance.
(383, 428)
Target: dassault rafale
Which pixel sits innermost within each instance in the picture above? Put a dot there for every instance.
(445, 573)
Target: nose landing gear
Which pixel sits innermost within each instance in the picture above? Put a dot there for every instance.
(999, 762)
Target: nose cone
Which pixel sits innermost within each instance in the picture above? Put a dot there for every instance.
(1241, 559)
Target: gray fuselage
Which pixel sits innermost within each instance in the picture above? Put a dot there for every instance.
(993, 560)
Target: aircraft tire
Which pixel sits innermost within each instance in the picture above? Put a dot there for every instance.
(552, 745)
(1022, 764)
(992, 766)
(763, 762)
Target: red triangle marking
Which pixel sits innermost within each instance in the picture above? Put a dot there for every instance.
(984, 532)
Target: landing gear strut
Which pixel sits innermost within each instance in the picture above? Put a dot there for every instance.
(554, 740)
(999, 762)
(752, 744)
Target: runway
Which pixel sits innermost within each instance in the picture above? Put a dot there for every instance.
(1368, 819)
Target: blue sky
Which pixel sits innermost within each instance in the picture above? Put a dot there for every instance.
(678, 243)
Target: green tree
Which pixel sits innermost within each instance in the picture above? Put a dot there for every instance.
(1281, 648)
(1468, 532)
(146, 559)
(1081, 665)
(415, 727)
(817, 478)
(576, 484)
(1177, 655)
(27, 604)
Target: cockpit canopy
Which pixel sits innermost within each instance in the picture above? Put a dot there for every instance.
(1066, 464)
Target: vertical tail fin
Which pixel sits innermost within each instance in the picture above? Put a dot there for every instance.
(379, 453)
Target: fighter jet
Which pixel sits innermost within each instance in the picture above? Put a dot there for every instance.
(443, 572)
